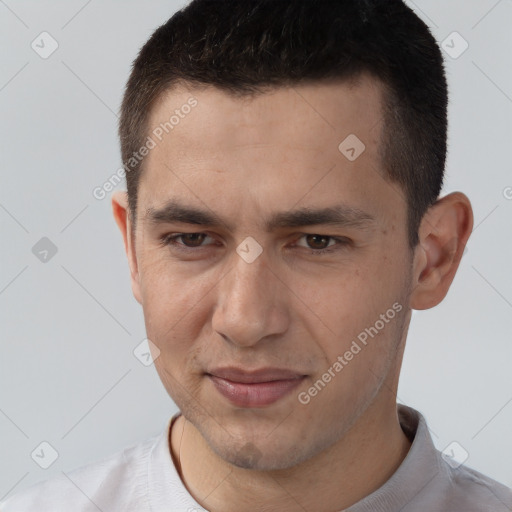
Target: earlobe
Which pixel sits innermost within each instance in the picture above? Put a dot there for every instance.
(443, 234)
(121, 213)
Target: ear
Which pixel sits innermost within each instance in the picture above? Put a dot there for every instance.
(123, 219)
(443, 234)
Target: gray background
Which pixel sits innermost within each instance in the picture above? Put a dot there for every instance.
(69, 325)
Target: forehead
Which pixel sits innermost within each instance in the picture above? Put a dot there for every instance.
(308, 144)
(308, 115)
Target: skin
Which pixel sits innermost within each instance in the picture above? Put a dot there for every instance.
(245, 159)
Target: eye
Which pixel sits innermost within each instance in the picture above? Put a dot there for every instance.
(319, 244)
(190, 240)
(323, 243)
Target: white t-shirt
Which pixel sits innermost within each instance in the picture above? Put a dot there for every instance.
(143, 478)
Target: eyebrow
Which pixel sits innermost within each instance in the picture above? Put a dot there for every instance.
(339, 215)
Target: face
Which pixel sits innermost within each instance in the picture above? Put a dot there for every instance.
(280, 305)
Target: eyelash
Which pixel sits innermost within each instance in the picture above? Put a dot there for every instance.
(170, 240)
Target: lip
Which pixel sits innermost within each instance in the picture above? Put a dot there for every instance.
(254, 388)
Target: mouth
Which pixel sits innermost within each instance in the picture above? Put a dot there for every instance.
(254, 388)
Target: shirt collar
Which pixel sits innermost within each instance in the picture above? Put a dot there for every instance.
(419, 468)
(166, 491)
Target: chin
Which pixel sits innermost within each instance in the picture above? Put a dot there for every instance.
(256, 443)
(260, 457)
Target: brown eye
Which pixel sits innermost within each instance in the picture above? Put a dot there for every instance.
(192, 239)
(321, 244)
(185, 241)
(318, 241)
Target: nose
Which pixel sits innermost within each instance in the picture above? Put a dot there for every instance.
(251, 303)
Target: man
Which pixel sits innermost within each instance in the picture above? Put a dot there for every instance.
(284, 162)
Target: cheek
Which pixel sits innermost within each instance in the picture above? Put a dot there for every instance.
(363, 311)
(175, 312)
(344, 302)
(356, 366)
(175, 306)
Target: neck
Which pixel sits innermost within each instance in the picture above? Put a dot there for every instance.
(355, 466)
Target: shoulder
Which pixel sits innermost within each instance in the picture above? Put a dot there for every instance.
(116, 482)
(430, 480)
(476, 491)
